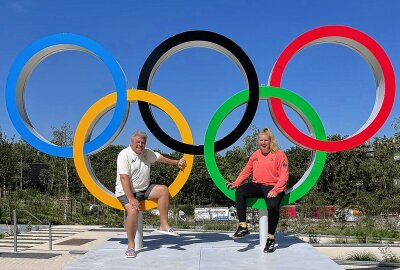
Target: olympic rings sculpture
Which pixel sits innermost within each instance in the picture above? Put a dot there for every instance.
(364, 45)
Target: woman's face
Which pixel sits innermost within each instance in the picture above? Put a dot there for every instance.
(264, 143)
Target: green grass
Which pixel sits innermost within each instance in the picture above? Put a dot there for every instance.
(216, 226)
(339, 241)
(362, 256)
(392, 260)
(364, 230)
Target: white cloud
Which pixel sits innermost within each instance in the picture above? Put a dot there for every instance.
(19, 6)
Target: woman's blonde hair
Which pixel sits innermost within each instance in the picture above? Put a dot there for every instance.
(273, 145)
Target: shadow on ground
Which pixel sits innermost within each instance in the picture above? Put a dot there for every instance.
(156, 241)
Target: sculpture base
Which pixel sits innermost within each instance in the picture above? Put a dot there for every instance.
(204, 250)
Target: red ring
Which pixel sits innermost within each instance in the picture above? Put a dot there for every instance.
(387, 103)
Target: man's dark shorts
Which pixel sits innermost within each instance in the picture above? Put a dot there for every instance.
(140, 195)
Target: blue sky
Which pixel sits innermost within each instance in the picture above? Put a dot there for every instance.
(335, 80)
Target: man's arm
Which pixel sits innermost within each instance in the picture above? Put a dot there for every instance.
(126, 186)
(181, 163)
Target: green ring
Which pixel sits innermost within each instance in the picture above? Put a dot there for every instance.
(289, 98)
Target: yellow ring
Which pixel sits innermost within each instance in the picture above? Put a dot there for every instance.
(94, 113)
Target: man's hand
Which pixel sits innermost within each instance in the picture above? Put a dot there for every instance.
(134, 203)
(182, 164)
(172, 161)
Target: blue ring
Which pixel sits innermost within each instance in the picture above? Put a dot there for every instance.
(31, 135)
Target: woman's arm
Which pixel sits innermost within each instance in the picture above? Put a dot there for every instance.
(246, 172)
(283, 172)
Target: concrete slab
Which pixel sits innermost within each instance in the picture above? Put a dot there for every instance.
(75, 242)
(31, 255)
(200, 250)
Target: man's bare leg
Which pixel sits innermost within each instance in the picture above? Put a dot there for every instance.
(131, 224)
(160, 192)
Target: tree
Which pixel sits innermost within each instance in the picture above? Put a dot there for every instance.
(26, 155)
(342, 173)
(104, 164)
(383, 168)
(233, 163)
(396, 125)
(251, 141)
(299, 159)
(8, 162)
(63, 137)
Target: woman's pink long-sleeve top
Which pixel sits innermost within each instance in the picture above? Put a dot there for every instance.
(269, 170)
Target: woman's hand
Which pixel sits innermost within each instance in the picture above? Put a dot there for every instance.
(271, 194)
(230, 185)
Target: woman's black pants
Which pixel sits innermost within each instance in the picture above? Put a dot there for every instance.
(253, 190)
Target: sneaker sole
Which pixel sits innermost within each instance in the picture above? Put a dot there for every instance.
(238, 237)
(269, 250)
(168, 233)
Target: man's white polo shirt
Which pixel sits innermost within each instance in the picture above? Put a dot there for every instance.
(137, 167)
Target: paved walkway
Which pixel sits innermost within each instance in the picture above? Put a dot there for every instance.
(104, 249)
(39, 257)
(194, 250)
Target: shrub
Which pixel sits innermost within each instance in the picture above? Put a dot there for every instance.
(362, 256)
(220, 226)
(388, 255)
(339, 240)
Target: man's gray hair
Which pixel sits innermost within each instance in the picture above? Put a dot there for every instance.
(140, 134)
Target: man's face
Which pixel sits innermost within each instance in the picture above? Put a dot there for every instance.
(263, 143)
(138, 144)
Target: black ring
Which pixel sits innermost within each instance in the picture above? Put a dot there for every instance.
(199, 39)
